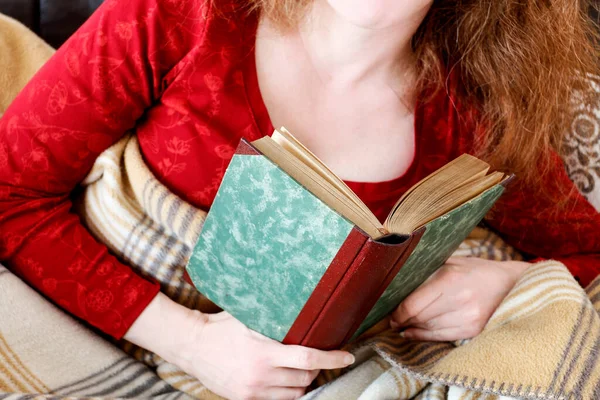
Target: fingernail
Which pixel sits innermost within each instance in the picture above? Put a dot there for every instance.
(402, 334)
(349, 359)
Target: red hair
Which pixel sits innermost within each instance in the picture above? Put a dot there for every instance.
(521, 65)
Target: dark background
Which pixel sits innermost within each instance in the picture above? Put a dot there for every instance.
(56, 20)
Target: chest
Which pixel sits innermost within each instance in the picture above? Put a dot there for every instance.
(364, 132)
(225, 93)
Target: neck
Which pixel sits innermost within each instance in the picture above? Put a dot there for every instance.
(345, 53)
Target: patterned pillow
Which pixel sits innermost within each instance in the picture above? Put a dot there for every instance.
(582, 148)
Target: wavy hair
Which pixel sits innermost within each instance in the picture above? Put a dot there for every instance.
(521, 63)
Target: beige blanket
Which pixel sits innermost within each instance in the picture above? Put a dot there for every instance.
(21, 55)
(541, 343)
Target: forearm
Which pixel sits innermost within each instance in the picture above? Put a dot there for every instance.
(166, 328)
(562, 228)
(44, 243)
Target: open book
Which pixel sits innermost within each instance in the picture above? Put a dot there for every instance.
(288, 249)
(440, 192)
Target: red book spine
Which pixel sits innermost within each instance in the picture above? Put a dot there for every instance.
(355, 295)
(414, 240)
(326, 286)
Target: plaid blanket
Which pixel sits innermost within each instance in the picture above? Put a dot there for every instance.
(541, 343)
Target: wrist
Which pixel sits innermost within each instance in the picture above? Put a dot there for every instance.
(167, 329)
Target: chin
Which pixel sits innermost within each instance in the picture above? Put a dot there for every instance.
(378, 14)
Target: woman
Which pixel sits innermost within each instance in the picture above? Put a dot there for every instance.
(383, 91)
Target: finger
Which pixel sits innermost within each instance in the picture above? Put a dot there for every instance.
(282, 393)
(417, 302)
(453, 319)
(288, 377)
(300, 357)
(439, 308)
(440, 335)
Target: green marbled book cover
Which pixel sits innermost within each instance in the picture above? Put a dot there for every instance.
(265, 245)
(267, 241)
(442, 237)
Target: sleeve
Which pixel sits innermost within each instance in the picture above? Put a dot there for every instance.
(95, 88)
(555, 222)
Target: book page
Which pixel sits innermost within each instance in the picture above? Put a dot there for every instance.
(447, 188)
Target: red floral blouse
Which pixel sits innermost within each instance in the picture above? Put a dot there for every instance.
(182, 76)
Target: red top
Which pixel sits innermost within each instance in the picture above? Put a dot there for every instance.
(183, 77)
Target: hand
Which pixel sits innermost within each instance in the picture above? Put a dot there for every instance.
(457, 301)
(231, 359)
(227, 357)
